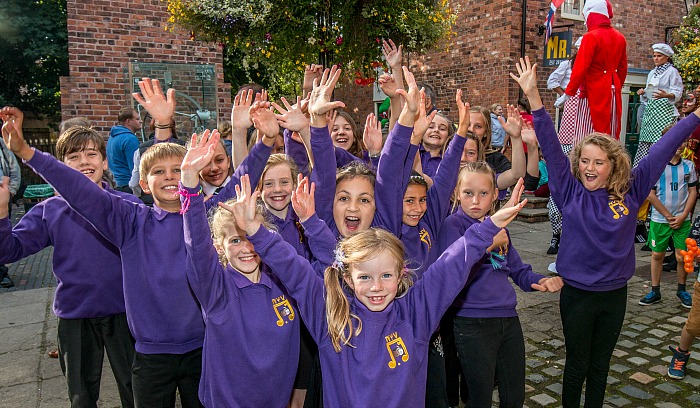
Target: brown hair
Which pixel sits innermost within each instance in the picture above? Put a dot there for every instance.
(618, 183)
(76, 139)
(480, 156)
(361, 247)
(277, 159)
(69, 123)
(357, 147)
(157, 153)
(125, 114)
(486, 114)
(225, 129)
(356, 169)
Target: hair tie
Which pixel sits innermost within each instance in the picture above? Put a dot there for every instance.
(186, 203)
(339, 256)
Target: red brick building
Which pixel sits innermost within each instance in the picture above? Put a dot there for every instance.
(488, 43)
(109, 44)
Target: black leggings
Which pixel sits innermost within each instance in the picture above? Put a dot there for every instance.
(592, 322)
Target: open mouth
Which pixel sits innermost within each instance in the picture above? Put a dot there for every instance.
(88, 172)
(376, 300)
(170, 188)
(278, 199)
(352, 223)
(341, 140)
(590, 177)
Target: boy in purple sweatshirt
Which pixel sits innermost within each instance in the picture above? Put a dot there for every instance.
(89, 300)
(380, 362)
(163, 315)
(599, 197)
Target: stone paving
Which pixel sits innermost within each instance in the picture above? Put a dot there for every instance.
(28, 378)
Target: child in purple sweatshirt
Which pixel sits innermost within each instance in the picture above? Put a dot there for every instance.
(164, 317)
(373, 336)
(487, 330)
(89, 300)
(599, 197)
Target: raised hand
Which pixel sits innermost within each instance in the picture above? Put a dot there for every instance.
(553, 284)
(291, 116)
(264, 119)
(12, 132)
(464, 119)
(199, 154)
(331, 115)
(392, 54)
(311, 73)
(160, 106)
(423, 121)
(320, 101)
(508, 213)
(527, 77)
(243, 209)
(303, 198)
(388, 85)
(411, 100)
(528, 134)
(240, 116)
(514, 124)
(372, 135)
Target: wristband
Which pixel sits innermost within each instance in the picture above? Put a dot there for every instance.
(160, 126)
(186, 202)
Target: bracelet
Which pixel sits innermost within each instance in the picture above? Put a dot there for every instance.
(159, 126)
(186, 202)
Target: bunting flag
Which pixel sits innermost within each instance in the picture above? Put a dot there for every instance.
(553, 6)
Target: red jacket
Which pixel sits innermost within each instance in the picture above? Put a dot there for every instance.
(601, 62)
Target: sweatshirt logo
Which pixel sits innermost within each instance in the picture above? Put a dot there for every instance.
(283, 309)
(618, 207)
(425, 238)
(396, 348)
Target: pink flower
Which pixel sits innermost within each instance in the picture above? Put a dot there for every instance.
(339, 40)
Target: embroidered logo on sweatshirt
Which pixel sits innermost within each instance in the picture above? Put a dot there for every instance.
(619, 208)
(397, 349)
(283, 309)
(425, 238)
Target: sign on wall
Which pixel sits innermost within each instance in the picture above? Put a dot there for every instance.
(557, 49)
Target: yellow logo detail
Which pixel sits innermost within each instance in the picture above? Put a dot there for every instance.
(396, 348)
(618, 207)
(425, 237)
(283, 310)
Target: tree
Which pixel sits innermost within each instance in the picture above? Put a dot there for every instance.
(281, 37)
(687, 48)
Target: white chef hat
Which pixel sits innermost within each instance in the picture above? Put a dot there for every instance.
(663, 48)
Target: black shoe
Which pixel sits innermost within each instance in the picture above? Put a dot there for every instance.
(646, 248)
(640, 235)
(553, 245)
(6, 282)
(669, 267)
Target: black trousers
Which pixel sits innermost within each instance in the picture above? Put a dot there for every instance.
(492, 349)
(436, 384)
(592, 322)
(157, 377)
(81, 347)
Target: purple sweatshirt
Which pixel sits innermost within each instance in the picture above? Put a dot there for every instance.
(596, 251)
(388, 193)
(420, 241)
(87, 267)
(388, 365)
(490, 294)
(430, 163)
(163, 315)
(251, 342)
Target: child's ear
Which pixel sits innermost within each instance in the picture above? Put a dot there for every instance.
(105, 165)
(348, 281)
(144, 186)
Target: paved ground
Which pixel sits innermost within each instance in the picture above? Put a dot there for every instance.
(28, 378)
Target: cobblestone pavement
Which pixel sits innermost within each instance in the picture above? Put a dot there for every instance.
(28, 378)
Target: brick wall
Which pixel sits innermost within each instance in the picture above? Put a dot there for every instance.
(487, 45)
(105, 35)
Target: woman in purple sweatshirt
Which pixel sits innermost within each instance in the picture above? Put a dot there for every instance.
(486, 326)
(599, 197)
(373, 335)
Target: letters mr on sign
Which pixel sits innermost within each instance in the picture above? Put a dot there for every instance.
(557, 49)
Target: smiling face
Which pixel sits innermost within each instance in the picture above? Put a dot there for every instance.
(498, 110)
(375, 282)
(240, 253)
(353, 205)
(415, 203)
(594, 167)
(436, 135)
(88, 161)
(659, 58)
(476, 194)
(218, 169)
(342, 134)
(161, 182)
(277, 186)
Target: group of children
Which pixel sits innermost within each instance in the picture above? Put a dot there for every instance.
(327, 270)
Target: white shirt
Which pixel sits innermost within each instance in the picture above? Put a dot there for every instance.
(560, 76)
(669, 81)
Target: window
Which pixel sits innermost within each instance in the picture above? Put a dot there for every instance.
(572, 9)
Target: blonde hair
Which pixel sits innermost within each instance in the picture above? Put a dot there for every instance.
(157, 153)
(356, 169)
(221, 221)
(276, 159)
(618, 183)
(479, 167)
(486, 115)
(361, 247)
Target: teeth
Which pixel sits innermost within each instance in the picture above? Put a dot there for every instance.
(170, 188)
(352, 218)
(88, 171)
(246, 258)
